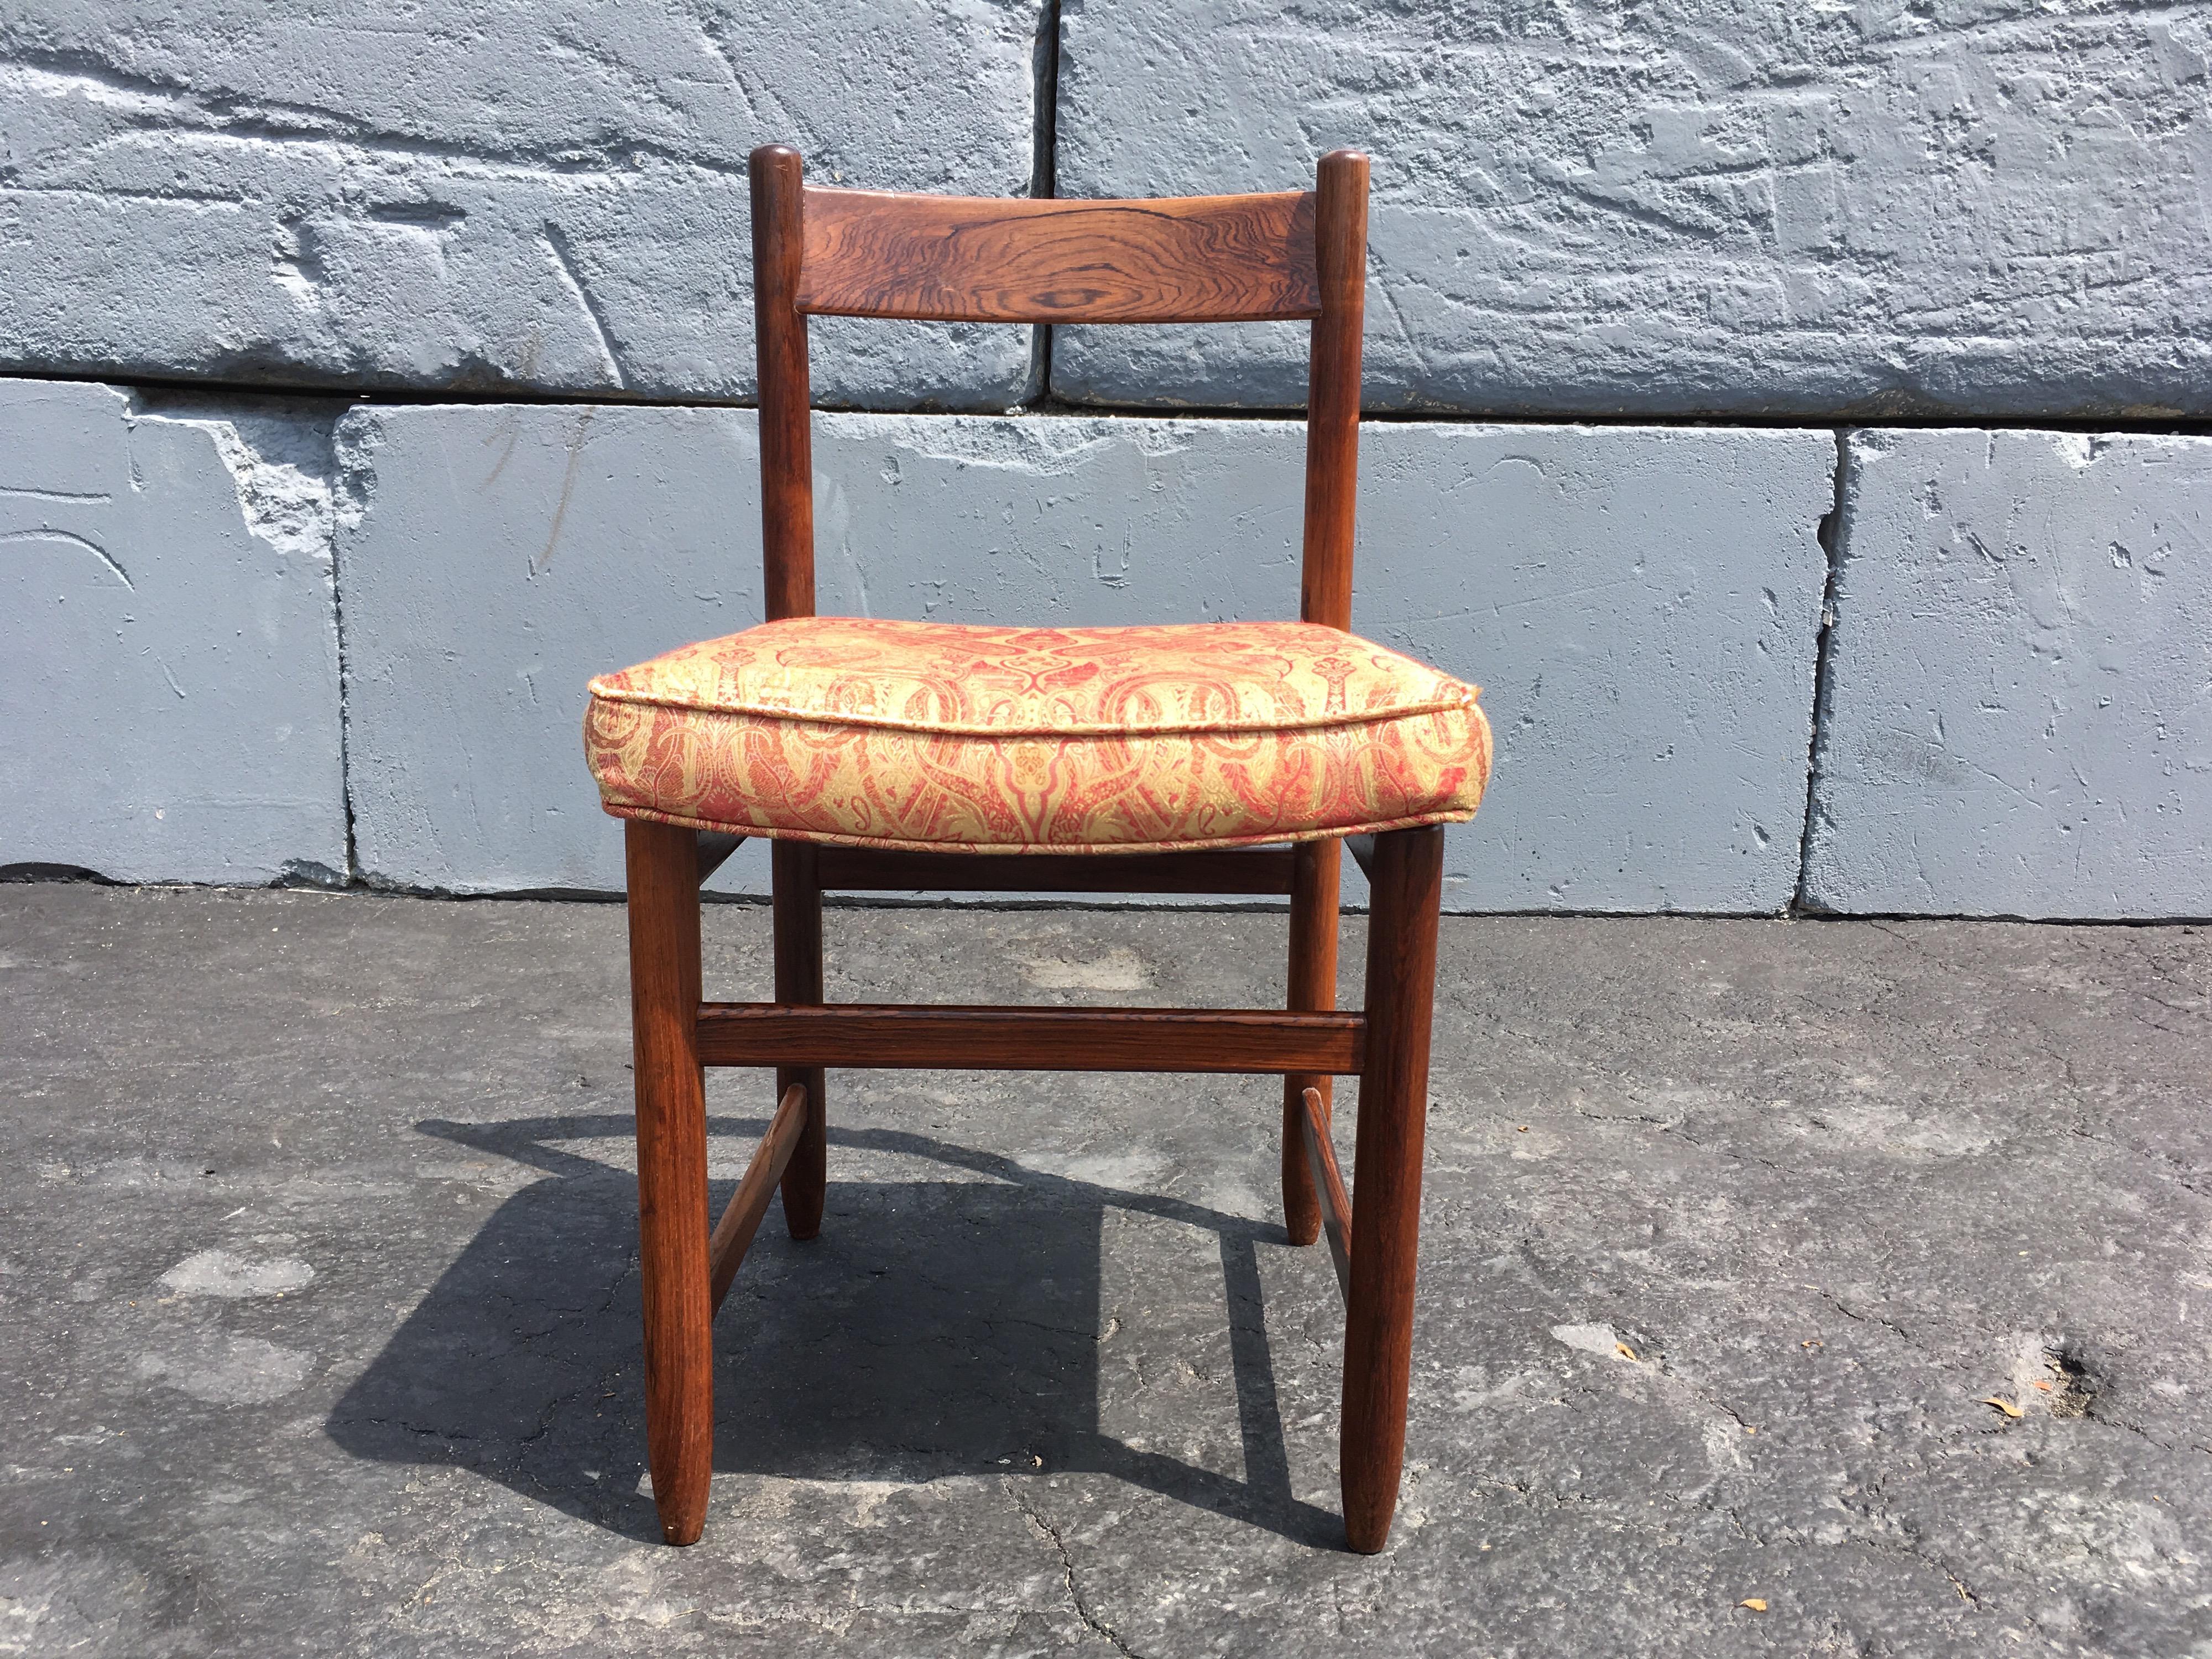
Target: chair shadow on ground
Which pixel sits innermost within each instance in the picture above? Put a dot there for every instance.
(934, 1329)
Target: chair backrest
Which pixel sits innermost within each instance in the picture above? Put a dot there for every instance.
(1192, 259)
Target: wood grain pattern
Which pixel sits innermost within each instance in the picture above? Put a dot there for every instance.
(861, 869)
(671, 1172)
(1328, 1181)
(787, 442)
(741, 1216)
(944, 1036)
(1407, 889)
(1333, 390)
(1188, 259)
(1315, 870)
(794, 871)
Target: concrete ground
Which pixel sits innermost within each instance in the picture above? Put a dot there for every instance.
(1806, 1288)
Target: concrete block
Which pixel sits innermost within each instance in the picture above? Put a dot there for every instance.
(2018, 705)
(549, 196)
(1641, 608)
(169, 643)
(496, 558)
(1690, 206)
(1641, 604)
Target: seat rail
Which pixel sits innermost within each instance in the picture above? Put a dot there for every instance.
(873, 869)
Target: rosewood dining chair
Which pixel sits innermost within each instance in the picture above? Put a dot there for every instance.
(1225, 757)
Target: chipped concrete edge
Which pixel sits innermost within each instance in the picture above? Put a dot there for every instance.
(294, 491)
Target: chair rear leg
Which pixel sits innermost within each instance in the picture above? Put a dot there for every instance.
(1407, 885)
(672, 1173)
(1313, 869)
(796, 871)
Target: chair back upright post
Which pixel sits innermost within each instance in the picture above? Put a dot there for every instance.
(1340, 242)
(1333, 389)
(787, 444)
(787, 449)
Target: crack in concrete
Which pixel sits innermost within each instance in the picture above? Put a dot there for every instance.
(1903, 1542)
(572, 278)
(1882, 1319)
(2087, 1123)
(1083, 1610)
(1830, 535)
(70, 538)
(225, 115)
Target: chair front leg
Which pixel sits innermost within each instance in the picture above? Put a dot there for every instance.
(671, 1172)
(1314, 871)
(795, 871)
(1408, 886)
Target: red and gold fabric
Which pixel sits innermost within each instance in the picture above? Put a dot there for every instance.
(934, 735)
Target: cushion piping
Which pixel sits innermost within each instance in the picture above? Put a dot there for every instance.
(1463, 695)
(1029, 849)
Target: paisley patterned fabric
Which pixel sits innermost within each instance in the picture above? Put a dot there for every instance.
(930, 735)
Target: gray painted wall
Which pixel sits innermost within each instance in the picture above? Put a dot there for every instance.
(168, 642)
(1642, 607)
(1968, 213)
(2019, 714)
(547, 197)
(1724, 206)
(1984, 207)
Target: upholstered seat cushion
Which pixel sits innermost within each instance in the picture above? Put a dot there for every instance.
(931, 735)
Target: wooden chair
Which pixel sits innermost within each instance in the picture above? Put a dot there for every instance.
(758, 735)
